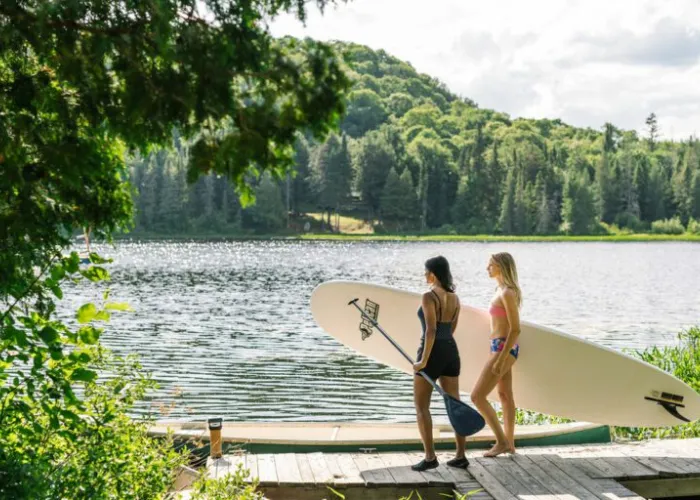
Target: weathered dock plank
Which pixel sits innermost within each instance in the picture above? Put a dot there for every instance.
(554, 473)
(372, 469)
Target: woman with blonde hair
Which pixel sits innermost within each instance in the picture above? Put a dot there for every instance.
(505, 329)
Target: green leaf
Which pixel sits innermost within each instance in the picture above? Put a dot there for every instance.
(69, 415)
(56, 290)
(70, 396)
(89, 335)
(48, 335)
(19, 337)
(95, 273)
(96, 259)
(102, 316)
(118, 387)
(81, 357)
(118, 306)
(57, 273)
(72, 263)
(86, 313)
(336, 493)
(83, 375)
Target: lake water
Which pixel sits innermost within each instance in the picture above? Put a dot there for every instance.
(226, 327)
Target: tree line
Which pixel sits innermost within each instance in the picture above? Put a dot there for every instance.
(411, 156)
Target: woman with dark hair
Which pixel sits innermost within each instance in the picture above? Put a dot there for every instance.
(438, 356)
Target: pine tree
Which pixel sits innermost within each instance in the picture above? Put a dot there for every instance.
(463, 209)
(424, 179)
(343, 174)
(150, 194)
(641, 186)
(578, 208)
(653, 128)
(610, 138)
(268, 212)
(373, 160)
(301, 189)
(507, 219)
(544, 214)
(332, 172)
(520, 207)
(681, 183)
(479, 182)
(437, 186)
(463, 162)
(695, 196)
(437, 181)
(493, 186)
(399, 202)
(605, 189)
(201, 203)
(137, 175)
(172, 213)
(628, 207)
(231, 208)
(657, 193)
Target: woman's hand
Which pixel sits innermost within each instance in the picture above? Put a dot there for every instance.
(418, 366)
(498, 367)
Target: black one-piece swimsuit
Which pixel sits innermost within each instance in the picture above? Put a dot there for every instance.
(444, 356)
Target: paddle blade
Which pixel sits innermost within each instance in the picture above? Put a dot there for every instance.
(465, 420)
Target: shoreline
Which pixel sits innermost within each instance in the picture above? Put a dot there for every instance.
(483, 238)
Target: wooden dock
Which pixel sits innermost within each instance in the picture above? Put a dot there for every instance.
(649, 469)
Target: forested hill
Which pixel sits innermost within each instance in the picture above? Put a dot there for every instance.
(413, 156)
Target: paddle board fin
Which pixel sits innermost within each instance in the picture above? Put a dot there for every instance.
(670, 403)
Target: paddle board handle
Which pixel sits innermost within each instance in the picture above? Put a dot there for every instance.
(398, 347)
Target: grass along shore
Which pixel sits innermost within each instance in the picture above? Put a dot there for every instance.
(641, 237)
(506, 238)
(352, 228)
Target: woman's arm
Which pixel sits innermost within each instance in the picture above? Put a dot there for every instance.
(430, 328)
(456, 317)
(513, 316)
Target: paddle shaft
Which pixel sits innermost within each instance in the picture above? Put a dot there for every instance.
(398, 347)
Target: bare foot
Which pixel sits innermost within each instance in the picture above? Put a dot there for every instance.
(498, 449)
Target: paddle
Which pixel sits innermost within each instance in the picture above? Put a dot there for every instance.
(464, 419)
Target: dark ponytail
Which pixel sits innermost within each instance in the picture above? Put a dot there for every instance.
(441, 269)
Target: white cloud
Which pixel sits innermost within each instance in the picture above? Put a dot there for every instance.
(585, 61)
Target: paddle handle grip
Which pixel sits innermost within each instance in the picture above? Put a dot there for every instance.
(398, 347)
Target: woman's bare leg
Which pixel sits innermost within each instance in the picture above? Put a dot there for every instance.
(505, 394)
(451, 386)
(484, 385)
(422, 391)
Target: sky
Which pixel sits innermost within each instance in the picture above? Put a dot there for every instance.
(584, 61)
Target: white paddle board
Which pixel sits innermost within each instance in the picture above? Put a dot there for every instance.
(556, 373)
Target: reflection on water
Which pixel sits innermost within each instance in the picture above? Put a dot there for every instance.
(227, 331)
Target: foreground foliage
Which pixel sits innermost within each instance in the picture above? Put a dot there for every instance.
(83, 82)
(65, 402)
(683, 362)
